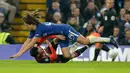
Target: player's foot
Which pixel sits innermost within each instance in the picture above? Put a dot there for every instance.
(113, 59)
(94, 60)
(113, 42)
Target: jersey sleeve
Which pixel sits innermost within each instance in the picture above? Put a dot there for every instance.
(39, 32)
(32, 33)
(53, 55)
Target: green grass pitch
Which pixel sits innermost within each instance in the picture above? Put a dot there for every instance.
(30, 66)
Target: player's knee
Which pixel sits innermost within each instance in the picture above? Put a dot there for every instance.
(85, 41)
(67, 56)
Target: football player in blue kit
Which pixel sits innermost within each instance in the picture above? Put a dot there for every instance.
(38, 30)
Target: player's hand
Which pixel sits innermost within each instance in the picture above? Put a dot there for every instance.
(15, 56)
(61, 37)
(48, 43)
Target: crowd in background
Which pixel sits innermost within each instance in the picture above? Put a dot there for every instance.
(8, 10)
(109, 17)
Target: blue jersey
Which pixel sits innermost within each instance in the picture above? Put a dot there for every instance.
(47, 28)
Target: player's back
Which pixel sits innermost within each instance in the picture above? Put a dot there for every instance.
(48, 28)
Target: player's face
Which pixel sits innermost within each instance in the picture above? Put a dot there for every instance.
(40, 50)
(30, 27)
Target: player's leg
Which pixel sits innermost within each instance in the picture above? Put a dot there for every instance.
(73, 47)
(91, 40)
(96, 53)
(98, 47)
(79, 52)
(66, 52)
(107, 49)
(61, 59)
(75, 36)
(64, 48)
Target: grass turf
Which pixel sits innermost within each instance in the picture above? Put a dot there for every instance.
(30, 66)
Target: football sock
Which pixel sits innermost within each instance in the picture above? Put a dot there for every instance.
(105, 48)
(79, 51)
(99, 39)
(97, 51)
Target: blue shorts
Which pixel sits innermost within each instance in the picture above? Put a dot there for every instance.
(72, 35)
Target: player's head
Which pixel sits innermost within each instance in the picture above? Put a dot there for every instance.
(31, 19)
(41, 58)
(34, 52)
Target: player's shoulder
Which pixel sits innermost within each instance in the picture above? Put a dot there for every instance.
(44, 24)
(47, 23)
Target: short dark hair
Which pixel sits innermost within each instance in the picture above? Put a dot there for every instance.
(34, 52)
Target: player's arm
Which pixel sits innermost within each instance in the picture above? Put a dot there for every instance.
(61, 37)
(41, 40)
(29, 46)
(35, 37)
(25, 43)
(53, 55)
(44, 38)
(28, 40)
